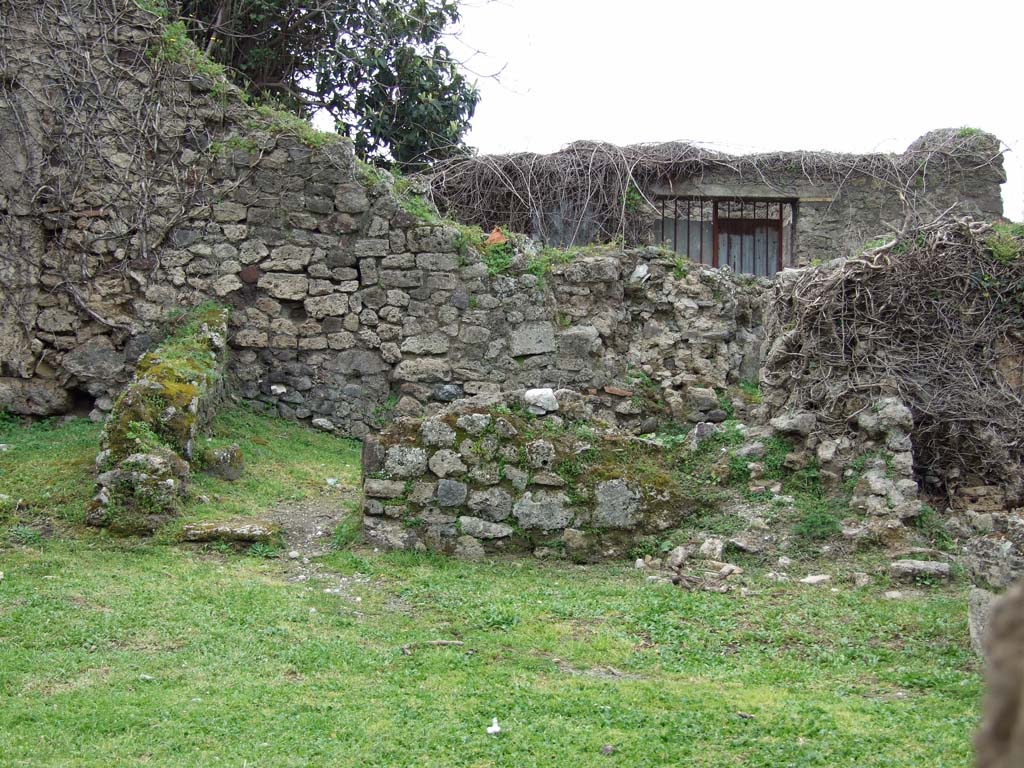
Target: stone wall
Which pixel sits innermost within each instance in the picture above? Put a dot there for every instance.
(350, 300)
(525, 472)
(843, 201)
(150, 438)
(834, 202)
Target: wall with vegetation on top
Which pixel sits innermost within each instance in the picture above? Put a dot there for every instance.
(350, 299)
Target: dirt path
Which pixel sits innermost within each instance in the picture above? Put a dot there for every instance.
(307, 528)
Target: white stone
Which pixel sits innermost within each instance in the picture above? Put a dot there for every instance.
(815, 579)
(641, 274)
(540, 401)
(712, 548)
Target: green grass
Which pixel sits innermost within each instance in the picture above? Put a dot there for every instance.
(49, 468)
(131, 652)
(47, 481)
(118, 653)
(1006, 241)
(279, 121)
(284, 462)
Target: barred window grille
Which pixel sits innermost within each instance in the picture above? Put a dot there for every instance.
(747, 235)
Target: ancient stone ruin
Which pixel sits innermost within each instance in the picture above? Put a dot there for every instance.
(354, 305)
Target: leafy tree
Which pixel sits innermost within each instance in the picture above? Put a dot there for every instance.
(380, 67)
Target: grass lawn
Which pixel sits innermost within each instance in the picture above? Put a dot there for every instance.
(121, 652)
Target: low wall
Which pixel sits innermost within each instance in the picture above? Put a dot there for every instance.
(150, 438)
(532, 472)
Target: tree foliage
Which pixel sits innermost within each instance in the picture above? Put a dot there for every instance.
(380, 67)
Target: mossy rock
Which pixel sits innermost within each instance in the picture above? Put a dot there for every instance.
(143, 491)
(227, 463)
(174, 387)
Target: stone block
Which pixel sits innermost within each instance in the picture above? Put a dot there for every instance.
(430, 344)
(229, 213)
(383, 489)
(351, 198)
(401, 278)
(446, 462)
(331, 305)
(436, 433)
(532, 338)
(405, 462)
(617, 505)
(242, 531)
(284, 286)
(484, 529)
(543, 510)
(438, 262)
(423, 370)
(913, 570)
(451, 493)
(288, 258)
(493, 504)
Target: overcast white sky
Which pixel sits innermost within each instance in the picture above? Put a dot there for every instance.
(745, 76)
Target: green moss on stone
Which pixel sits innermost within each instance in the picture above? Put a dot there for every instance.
(163, 403)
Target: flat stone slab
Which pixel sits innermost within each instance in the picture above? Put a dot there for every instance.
(910, 570)
(237, 530)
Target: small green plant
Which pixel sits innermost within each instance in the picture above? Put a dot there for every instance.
(26, 536)
(221, 547)
(1006, 242)
(632, 200)
(370, 175)
(157, 7)
(681, 267)
(498, 258)
(646, 546)
(142, 436)
(725, 403)
(750, 390)
(420, 207)
(279, 121)
(929, 523)
(468, 239)
(265, 550)
(817, 521)
(739, 471)
(499, 618)
(967, 132)
(347, 532)
(382, 413)
(175, 46)
(775, 451)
